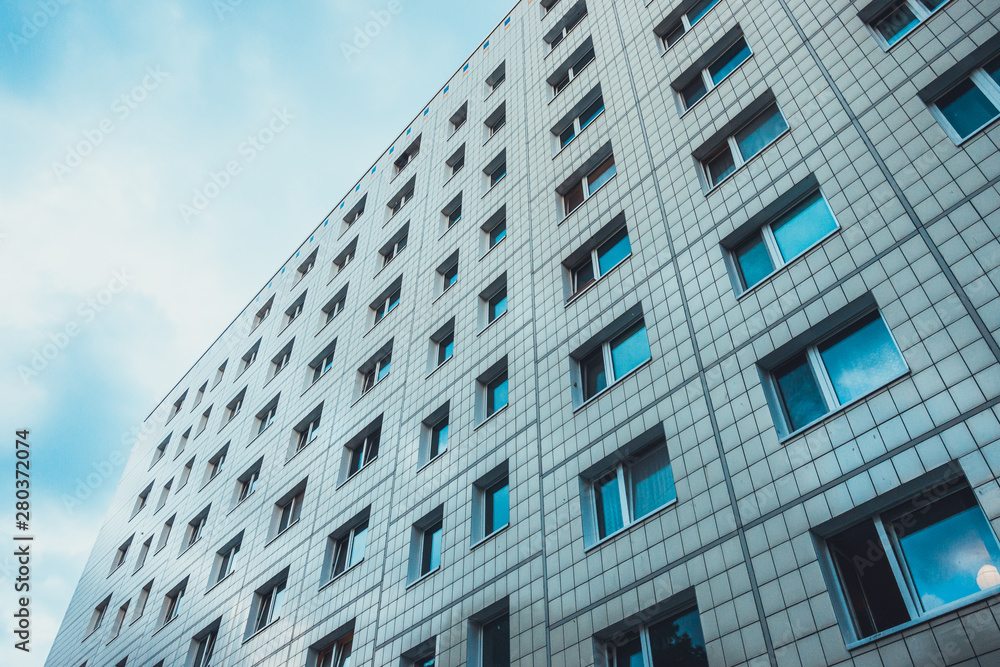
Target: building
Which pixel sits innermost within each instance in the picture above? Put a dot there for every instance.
(664, 328)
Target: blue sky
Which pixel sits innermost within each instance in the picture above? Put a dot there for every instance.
(112, 116)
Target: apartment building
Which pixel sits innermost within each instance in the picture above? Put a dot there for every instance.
(666, 334)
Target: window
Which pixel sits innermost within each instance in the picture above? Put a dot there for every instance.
(196, 528)
(547, 6)
(598, 257)
(736, 149)
(892, 21)
(452, 212)
(499, 75)
(203, 424)
(571, 69)
(387, 301)
(496, 169)
(164, 492)
(913, 560)
(407, 156)
(459, 117)
(491, 503)
(356, 211)
(216, 464)
(401, 198)
(495, 229)
(335, 306)
(338, 655)
(160, 450)
(142, 498)
(446, 348)
(675, 640)
(376, 369)
(289, 510)
(97, 617)
(808, 382)
(615, 353)
(972, 103)
(268, 606)
(220, 374)
(183, 442)
(493, 390)
(674, 27)
(456, 161)
(496, 120)
(140, 605)
(442, 344)
(143, 552)
(363, 449)
(185, 474)
(263, 313)
(251, 356)
(225, 558)
(294, 310)
(177, 406)
(558, 33)
(448, 272)
(235, 405)
(494, 301)
(579, 118)
(421, 655)
(323, 362)
(793, 225)
(346, 256)
(626, 487)
(435, 434)
(395, 245)
(347, 545)
(120, 554)
(587, 180)
(425, 544)
(172, 602)
(247, 482)
(200, 395)
(489, 637)
(306, 431)
(266, 415)
(116, 628)
(307, 265)
(280, 360)
(204, 648)
(694, 85)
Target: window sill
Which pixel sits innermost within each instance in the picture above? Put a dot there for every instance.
(784, 439)
(486, 328)
(219, 582)
(614, 384)
(494, 90)
(592, 195)
(452, 177)
(160, 629)
(240, 502)
(208, 482)
(484, 540)
(360, 470)
(385, 264)
(189, 547)
(327, 323)
(483, 256)
(134, 620)
(781, 268)
(384, 318)
(340, 576)
(494, 186)
(446, 291)
(374, 386)
(937, 613)
(590, 124)
(575, 77)
(282, 533)
(490, 138)
(261, 631)
(337, 274)
(276, 374)
(254, 439)
(430, 461)
(423, 577)
(490, 418)
(743, 166)
(589, 286)
(314, 383)
(438, 367)
(624, 529)
(889, 47)
(299, 450)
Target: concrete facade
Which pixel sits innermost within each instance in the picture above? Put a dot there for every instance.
(918, 218)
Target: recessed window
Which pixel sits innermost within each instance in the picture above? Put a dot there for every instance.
(435, 434)
(674, 27)
(308, 265)
(585, 182)
(891, 22)
(442, 347)
(458, 118)
(143, 552)
(572, 68)
(280, 361)
(356, 211)
(496, 169)
(219, 374)
(338, 655)
(387, 301)
(200, 395)
(598, 257)
(294, 310)
(307, 430)
(401, 198)
(116, 627)
(561, 30)
(164, 493)
(226, 558)
(140, 605)
(97, 616)
(378, 371)
(262, 314)
(176, 408)
(496, 120)
(499, 75)
(345, 257)
(494, 390)
(288, 511)
(692, 86)
(579, 118)
(185, 474)
(612, 355)
(142, 499)
(121, 554)
(335, 306)
(493, 230)
(675, 640)
(406, 157)
(323, 362)
(362, 449)
(183, 442)
(268, 606)
(216, 464)
(448, 272)
(246, 484)
(347, 546)
(422, 655)
(453, 212)
(489, 637)
(425, 544)
(172, 602)
(547, 6)
(196, 528)
(786, 234)
(912, 560)
(249, 357)
(733, 151)
(490, 503)
(833, 368)
(266, 416)
(493, 301)
(235, 406)
(160, 450)
(203, 424)
(971, 104)
(457, 161)
(395, 245)
(204, 648)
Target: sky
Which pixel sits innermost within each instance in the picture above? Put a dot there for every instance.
(119, 260)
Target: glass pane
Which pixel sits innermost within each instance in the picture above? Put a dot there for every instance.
(803, 226)
(678, 642)
(629, 654)
(629, 350)
(497, 508)
(671, 37)
(861, 359)
(651, 482)
(728, 61)
(759, 132)
(439, 439)
(607, 497)
(573, 198)
(593, 375)
(931, 5)
(966, 108)
(799, 393)
(567, 135)
(445, 349)
(432, 549)
(613, 250)
(753, 261)
(584, 60)
(497, 234)
(993, 69)
(591, 112)
(497, 395)
(720, 166)
(700, 9)
(601, 175)
(583, 275)
(498, 305)
(496, 643)
(279, 601)
(694, 91)
(340, 557)
(949, 549)
(360, 542)
(895, 23)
